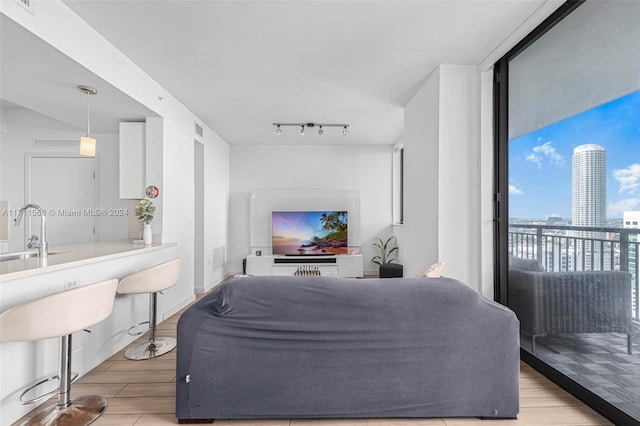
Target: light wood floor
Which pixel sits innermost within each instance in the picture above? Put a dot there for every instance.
(142, 393)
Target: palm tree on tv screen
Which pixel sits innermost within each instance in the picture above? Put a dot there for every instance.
(336, 221)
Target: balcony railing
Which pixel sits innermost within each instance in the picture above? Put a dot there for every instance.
(575, 248)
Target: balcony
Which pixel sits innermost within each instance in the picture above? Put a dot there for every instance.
(601, 359)
(574, 248)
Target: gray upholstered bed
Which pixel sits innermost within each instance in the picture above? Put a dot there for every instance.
(325, 347)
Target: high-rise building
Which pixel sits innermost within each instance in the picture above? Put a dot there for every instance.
(588, 186)
(631, 219)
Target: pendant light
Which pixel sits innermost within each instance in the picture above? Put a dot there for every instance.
(87, 143)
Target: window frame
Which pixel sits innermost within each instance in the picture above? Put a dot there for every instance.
(501, 211)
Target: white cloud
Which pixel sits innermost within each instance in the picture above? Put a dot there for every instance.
(513, 190)
(545, 151)
(534, 159)
(615, 209)
(628, 178)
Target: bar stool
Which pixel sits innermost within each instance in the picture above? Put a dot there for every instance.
(60, 315)
(152, 281)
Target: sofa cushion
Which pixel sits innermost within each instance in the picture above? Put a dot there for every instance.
(525, 264)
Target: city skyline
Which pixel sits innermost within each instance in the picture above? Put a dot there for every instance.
(540, 163)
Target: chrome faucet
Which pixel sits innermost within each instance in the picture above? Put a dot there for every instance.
(33, 242)
(43, 245)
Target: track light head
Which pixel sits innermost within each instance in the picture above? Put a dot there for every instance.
(305, 126)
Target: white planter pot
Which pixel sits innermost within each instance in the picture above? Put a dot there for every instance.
(146, 234)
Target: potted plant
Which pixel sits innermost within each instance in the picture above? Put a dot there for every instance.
(387, 248)
(144, 212)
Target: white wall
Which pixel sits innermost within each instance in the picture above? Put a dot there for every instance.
(486, 183)
(443, 175)
(153, 151)
(458, 174)
(216, 207)
(363, 168)
(21, 128)
(419, 238)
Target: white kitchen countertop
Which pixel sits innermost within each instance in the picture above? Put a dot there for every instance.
(62, 257)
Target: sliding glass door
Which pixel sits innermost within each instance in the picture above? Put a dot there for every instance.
(568, 200)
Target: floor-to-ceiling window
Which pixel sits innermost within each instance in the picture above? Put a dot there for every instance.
(568, 194)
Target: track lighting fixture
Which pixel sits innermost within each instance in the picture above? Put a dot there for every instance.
(303, 127)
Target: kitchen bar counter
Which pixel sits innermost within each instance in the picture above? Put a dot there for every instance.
(77, 265)
(63, 257)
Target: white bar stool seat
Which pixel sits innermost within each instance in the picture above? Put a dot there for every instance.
(60, 315)
(152, 281)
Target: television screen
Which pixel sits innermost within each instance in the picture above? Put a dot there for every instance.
(309, 233)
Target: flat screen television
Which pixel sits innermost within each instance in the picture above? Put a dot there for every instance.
(309, 233)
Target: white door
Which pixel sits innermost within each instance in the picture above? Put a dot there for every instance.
(65, 188)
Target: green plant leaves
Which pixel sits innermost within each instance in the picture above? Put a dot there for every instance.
(385, 251)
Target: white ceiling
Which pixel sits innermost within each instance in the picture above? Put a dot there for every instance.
(35, 76)
(242, 65)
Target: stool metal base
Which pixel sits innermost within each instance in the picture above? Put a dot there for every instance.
(82, 411)
(22, 401)
(149, 350)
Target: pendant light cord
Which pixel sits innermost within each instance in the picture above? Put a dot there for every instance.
(88, 120)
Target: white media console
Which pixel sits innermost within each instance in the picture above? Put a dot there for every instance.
(348, 265)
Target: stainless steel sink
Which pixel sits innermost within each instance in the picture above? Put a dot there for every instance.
(19, 255)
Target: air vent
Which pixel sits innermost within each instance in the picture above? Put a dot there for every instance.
(56, 143)
(218, 258)
(26, 5)
(199, 130)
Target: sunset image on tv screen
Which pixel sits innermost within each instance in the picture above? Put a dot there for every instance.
(309, 232)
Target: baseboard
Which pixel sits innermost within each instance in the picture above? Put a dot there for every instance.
(178, 306)
(220, 278)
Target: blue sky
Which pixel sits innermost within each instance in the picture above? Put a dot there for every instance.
(540, 162)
